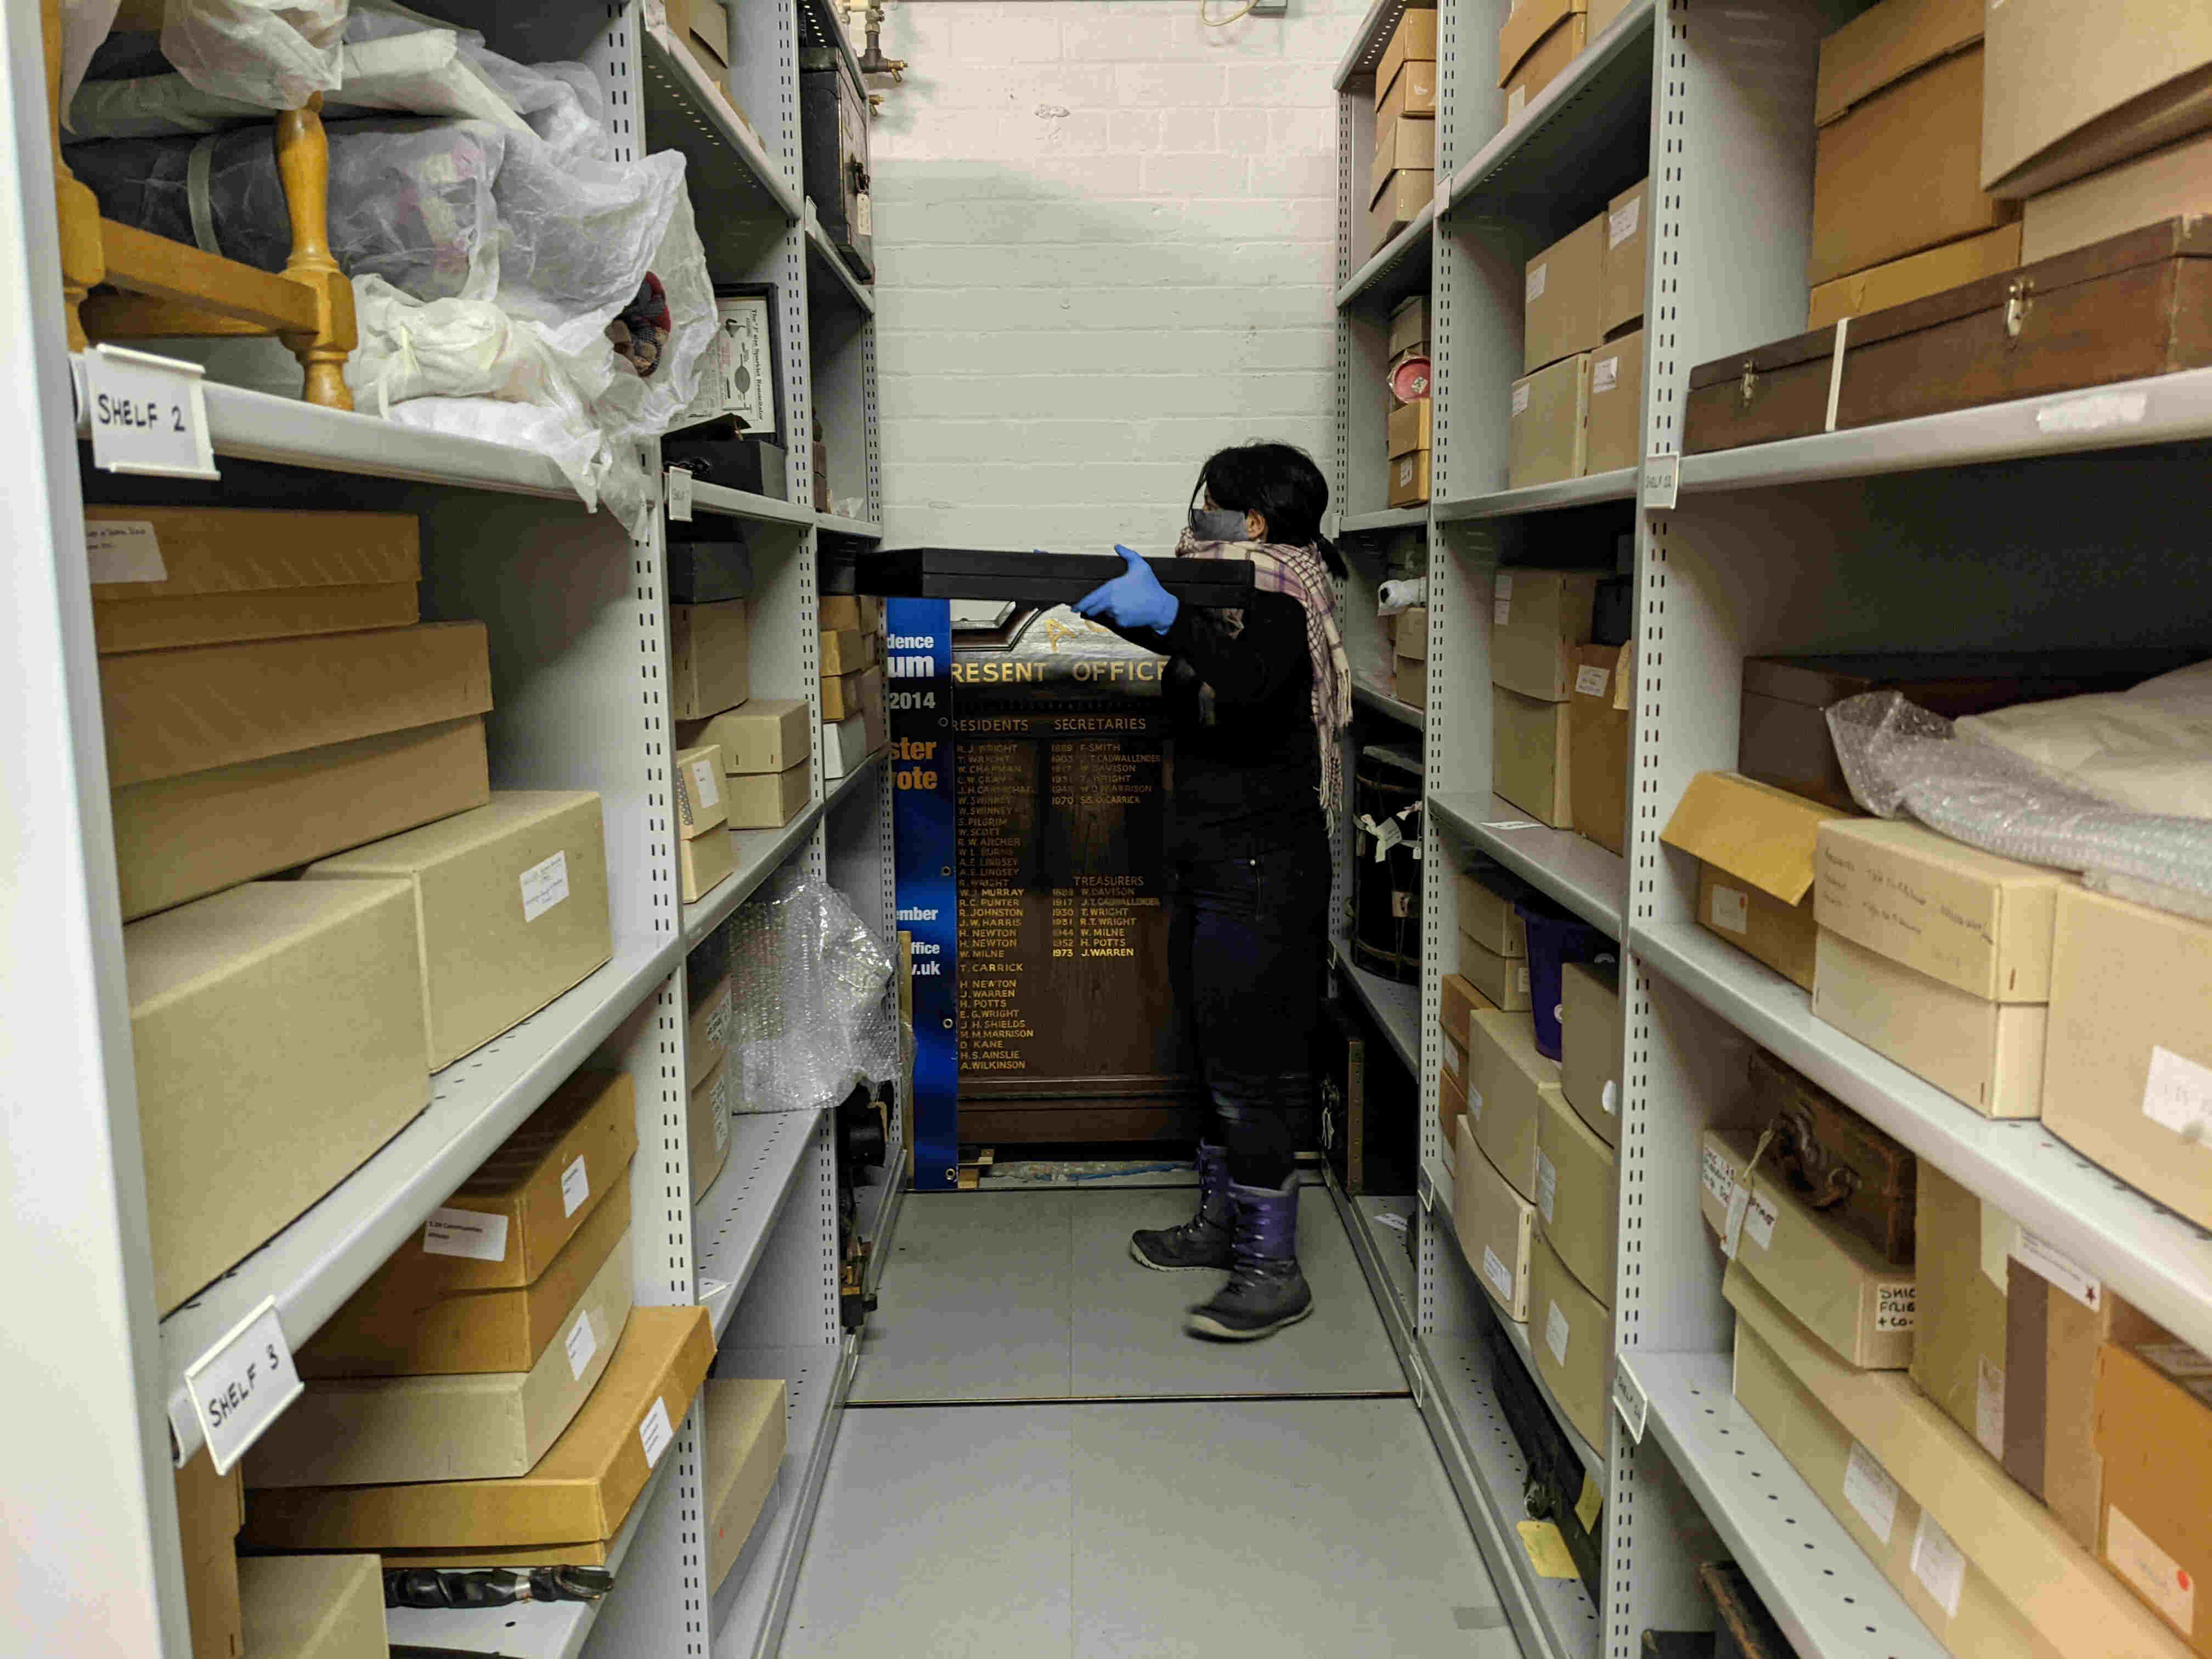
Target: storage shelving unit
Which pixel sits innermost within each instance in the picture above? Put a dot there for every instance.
(2043, 524)
(576, 610)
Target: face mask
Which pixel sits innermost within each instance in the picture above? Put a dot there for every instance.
(1217, 524)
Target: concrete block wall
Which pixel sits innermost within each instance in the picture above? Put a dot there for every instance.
(1106, 244)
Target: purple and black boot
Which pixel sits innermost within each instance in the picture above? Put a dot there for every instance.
(1265, 1290)
(1202, 1241)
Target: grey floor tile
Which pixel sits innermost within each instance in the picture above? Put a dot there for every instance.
(941, 1532)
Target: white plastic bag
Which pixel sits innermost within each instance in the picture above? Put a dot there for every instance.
(274, 54)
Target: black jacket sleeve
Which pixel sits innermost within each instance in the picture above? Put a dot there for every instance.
(1246, 667)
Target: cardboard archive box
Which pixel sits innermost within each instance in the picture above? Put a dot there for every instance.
(1572, 1331)
(1452, 1103)
(1406, 143)
(862, 611)
(1578, 1197)
(844, 747)
(169, 576)
(1526, 25)
(708, 1129)
(1409, 639)
(744, 1424)
(701, 28)
(1545, 63)
(276, 1030)
(709, 658)
(1550, 423)
(314, 1607)
(707, 1032)
(2154, 1430)
(1399, 200)
(1984, 1566)
(1862, 1306)
(1509, 1086)
(1600, 718)
(1409, 328)
(1411, 478)
(1460, 1002)
(1502, 981)
(210, 1509)
(1916, 275)
(698, 778)
(1411, 442)
(1591, 1042)
(2163, 185)
(1413, 40)
(1754, 847)
(578, 1494)
(1614, 437)
(769, 734)
(1488, 912)
(763, 800)
(1496, 1225)
(1986, 1054)
(510, 908)
(1627, 251)
(1563, 290)
(2128, 1071)
(460, 1426)
(1538, 619)
(1411, 94)
(849, 695)
(1531, 765)
(1884, 43)
(848, 651)
(704, 862)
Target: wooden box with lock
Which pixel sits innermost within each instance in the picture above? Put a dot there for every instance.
(2123, 309)
(1833, 1159)
(833, 129)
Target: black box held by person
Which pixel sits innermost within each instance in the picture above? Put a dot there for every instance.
(1030, 578)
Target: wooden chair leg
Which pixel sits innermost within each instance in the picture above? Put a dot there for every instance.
(76, 208)
(303, 158)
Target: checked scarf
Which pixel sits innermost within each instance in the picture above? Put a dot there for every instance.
(1298, 572)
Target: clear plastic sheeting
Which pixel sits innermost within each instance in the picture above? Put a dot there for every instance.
(812, 1010)
(1902, 761)
(276, 54)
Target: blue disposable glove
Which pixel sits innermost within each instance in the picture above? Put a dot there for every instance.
(1132, 600)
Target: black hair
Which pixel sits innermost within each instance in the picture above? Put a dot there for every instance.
(1279, 481)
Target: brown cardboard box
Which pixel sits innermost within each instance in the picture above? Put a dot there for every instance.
(1496, 1225)
(1550, 424)
(709, 658)
(769, 734)
(168, 576)
(181, 838)
(1578, 1197)
(862, 611)
(1754, 845)
(1989, 1054)
(2055, 110)
(1901, 171)
(764, 800)
(698, 776)
(1412, 428)
(1545, 64)
(510, 1219)
(704, 862)
(1997, 1576)
(399, 1324)
(707, 1035)
(1413, 40)
(1409, 682)
(1397, 202)
(1410, 479)
(1409, 324)
(1627, 250)
(842, 698)
(874, 716)
(1526, 24)
(1455, 1013)
(461, 1425)
(1600, 718)
(1974, 921)
(1860, 1304)
(210, 1509)
(1602, 14)
(510, 908)
(1563, 288)
(847, 651)
(1411, 94)
(1538, 619)
(169, 713)
(1571, 1333)
(2164, 184)
(2154, 1428)
(1407, 143)
(580, 1492)
(1455, 1060)
(1591, 1042)
(1886, 43)
(707, 1130)
(1452, 1100)
(2128, 1076)
(1917, 276)
(1410, 639)
(277, 1032)
(1615, 433)
(1529, 763)
(702, 28)
(1509, 1086)
(314, 1607)
(1487, 915)
(1502, 981)
(742, 1420)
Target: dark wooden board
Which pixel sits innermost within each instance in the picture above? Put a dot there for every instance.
(1038, 578)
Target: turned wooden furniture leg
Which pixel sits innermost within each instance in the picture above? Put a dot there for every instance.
(303, 157)
(76, 210)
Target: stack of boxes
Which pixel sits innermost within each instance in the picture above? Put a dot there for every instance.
(1578, 407)
(1404, 179)
(702, 30)
(1541, 620)
(706, 1043)
(1409, 674)
(1538, 40)
(1411, 426)
(710, 675)
(860, 727)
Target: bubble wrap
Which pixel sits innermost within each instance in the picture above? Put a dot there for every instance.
(812, 1002)
(1901, 761)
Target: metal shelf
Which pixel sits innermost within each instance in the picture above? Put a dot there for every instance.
(760, 854)
(1390, 518)
(745, 504)
(827, 271)
(820, 25)
(841, 787)
(1398, 267)
(1829, 1599)
(2166, 408)
(1616, 485)
(1396, 1009)
(728, 170)
(2151, 1256)
(860, 529)
(1364, 56)
(311, 1267)
(733, 1219)
(1388, 1268)
(1384, 704)
(1560, 864)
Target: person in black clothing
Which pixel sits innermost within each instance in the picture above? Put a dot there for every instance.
(1258, 698)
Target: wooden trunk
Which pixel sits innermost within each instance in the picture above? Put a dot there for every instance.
(1834, 1159)
(1746, 1629)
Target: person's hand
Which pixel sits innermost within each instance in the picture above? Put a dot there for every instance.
(1132, 600)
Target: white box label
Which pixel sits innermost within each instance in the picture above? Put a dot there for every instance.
(123, 550)
(703, 792)
(1610, 1098)
(1897, 1306)
(864, 214)
(1988, 1408)
(1620, 223)
(149, 414)
(575, 1186)
(1548, 1184)
(655, 1433)
(1494, 1271)
(1731, 909)
(1521, 979)
(1501, 585)
(240, 1386)
(1591, 680)
(2178, 1095)
(721, 1099)
(1520, 407)
(1555, 1333)
(1630, 1400)
(1868, 1489)
(1758, 1221)
(583, 1347)
(717, 1021)
(1537, 277)
(545, 885)
(1719, 1179)
(1474, 1105)
(680, 494)
(1605, 374)
(2061, 1269)
(471, 1233)
(1937, 1564)
(2136, 1556)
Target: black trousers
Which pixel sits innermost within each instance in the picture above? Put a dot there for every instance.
(1248, 942)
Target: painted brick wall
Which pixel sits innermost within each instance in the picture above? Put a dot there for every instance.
(1106, 245)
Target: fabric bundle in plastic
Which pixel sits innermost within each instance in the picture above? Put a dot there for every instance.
(811, 1007)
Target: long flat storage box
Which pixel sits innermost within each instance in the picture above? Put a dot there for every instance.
(1914, 277)
(1572, 1331)
(510, 904)
(1495, 1225)
(1509, 1086)
(1989, 1054)
(703, 863)
(277, 1032)
(769, 734)
(1755, 846)
(706, 1128)
(764, 800)
(1531, 761)
(1591, 1041)
(2163, 185)
(314, 1607)
(1577, 1196)
(744, 1431)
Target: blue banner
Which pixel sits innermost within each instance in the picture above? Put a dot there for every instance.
(920, 694)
